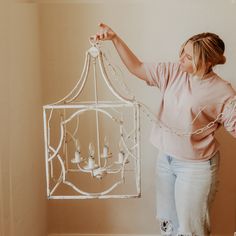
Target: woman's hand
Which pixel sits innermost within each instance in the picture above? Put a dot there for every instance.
(104, 33)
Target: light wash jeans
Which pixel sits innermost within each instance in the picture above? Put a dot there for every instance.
(184, 192)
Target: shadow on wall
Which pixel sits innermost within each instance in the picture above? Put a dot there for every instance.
(223, 209)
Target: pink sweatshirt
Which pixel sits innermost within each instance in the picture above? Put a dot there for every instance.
(187, 104)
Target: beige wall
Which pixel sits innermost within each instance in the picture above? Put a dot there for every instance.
(4, 124)
(22, 181)
(155, 31)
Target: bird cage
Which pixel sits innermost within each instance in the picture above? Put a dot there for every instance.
(92, 147)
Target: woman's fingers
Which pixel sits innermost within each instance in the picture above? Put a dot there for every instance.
(100, 37)
(102, 25)
(104, 33)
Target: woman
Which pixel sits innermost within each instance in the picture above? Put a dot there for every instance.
(194, 98)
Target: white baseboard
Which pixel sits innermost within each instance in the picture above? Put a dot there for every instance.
(103, 235)
(108, 235)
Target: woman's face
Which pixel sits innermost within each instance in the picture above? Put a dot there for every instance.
(186, 59)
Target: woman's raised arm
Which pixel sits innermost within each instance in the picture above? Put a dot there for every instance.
(133, 64)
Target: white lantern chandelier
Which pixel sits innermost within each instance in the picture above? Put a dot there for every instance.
(92, 148)
(82, 161)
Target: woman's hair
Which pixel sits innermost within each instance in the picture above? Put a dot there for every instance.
(207, 48)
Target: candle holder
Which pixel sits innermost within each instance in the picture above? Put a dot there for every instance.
(121, 158)
(106, 150)
(78, 159)
(121, 155)
(91, 165)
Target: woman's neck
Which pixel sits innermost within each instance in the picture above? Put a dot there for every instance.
(202, 74)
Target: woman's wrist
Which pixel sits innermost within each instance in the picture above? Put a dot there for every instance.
(115, 38)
